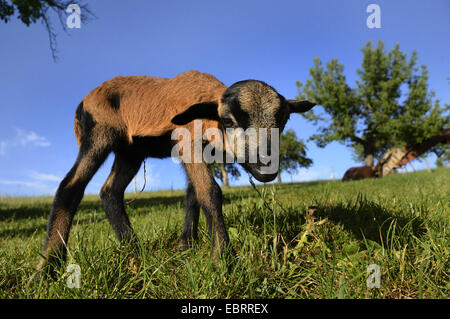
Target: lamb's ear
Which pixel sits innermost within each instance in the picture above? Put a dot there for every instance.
(205, 110)
(300, 106)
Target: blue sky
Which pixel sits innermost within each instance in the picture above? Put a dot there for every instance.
(272, 41)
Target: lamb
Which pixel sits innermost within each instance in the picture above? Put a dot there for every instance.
(360, 172)
(134, 117)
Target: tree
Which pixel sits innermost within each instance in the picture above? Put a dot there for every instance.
(442, 150)
(442, 153)
(32, 11)
(222, 170)
(292, 154)
(391, 105)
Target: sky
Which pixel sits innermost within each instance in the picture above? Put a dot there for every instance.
(272, 41)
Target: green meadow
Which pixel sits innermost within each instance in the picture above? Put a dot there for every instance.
(300, 240)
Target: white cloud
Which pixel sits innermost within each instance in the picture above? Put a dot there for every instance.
(24, 139)
(22, 183)
(34, 185)
(45, 177)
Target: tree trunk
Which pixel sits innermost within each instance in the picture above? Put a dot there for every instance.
(428, 166)
(369, 160)
(224, 175)
(279, 177)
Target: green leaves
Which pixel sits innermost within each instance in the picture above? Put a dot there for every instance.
(220, 169)
(29, 11)
(292, 153)
(390, 106)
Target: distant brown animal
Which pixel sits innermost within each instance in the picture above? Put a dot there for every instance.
(134, 116)
(397, 157)
(360, 172)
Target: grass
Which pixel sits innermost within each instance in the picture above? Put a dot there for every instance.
(303, 240)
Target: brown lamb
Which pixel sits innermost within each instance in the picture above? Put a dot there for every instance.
(134, 117)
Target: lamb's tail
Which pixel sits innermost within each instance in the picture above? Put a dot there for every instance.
(77, 125)
(83, 124)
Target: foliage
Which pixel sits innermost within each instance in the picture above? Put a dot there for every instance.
(32, 11)
(391, 105)
(29, 11)
(227, 169)
(442, 153)
(292, 153)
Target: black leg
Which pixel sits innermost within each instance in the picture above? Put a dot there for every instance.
(209, 196)
(66, 201)
(112, 192)
(190, 228)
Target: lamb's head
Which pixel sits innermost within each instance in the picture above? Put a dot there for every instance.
(257, 114)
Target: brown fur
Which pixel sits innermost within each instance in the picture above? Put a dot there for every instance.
(147, 104)
(355, 173)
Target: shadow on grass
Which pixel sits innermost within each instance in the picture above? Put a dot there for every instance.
(32, 211)
(22, 232)
(24, 212)
(39, 210)
(369, 220)
(288, 223)
(42, 210)
(363, 218)
(155, 201)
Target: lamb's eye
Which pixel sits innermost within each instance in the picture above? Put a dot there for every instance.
(227, 122)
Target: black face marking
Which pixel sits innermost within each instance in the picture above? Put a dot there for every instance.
(231, 98)
(114, 100)
(227, 122)
(241, 116)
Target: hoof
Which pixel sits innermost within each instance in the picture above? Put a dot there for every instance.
(46, 268)
(185, 244)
